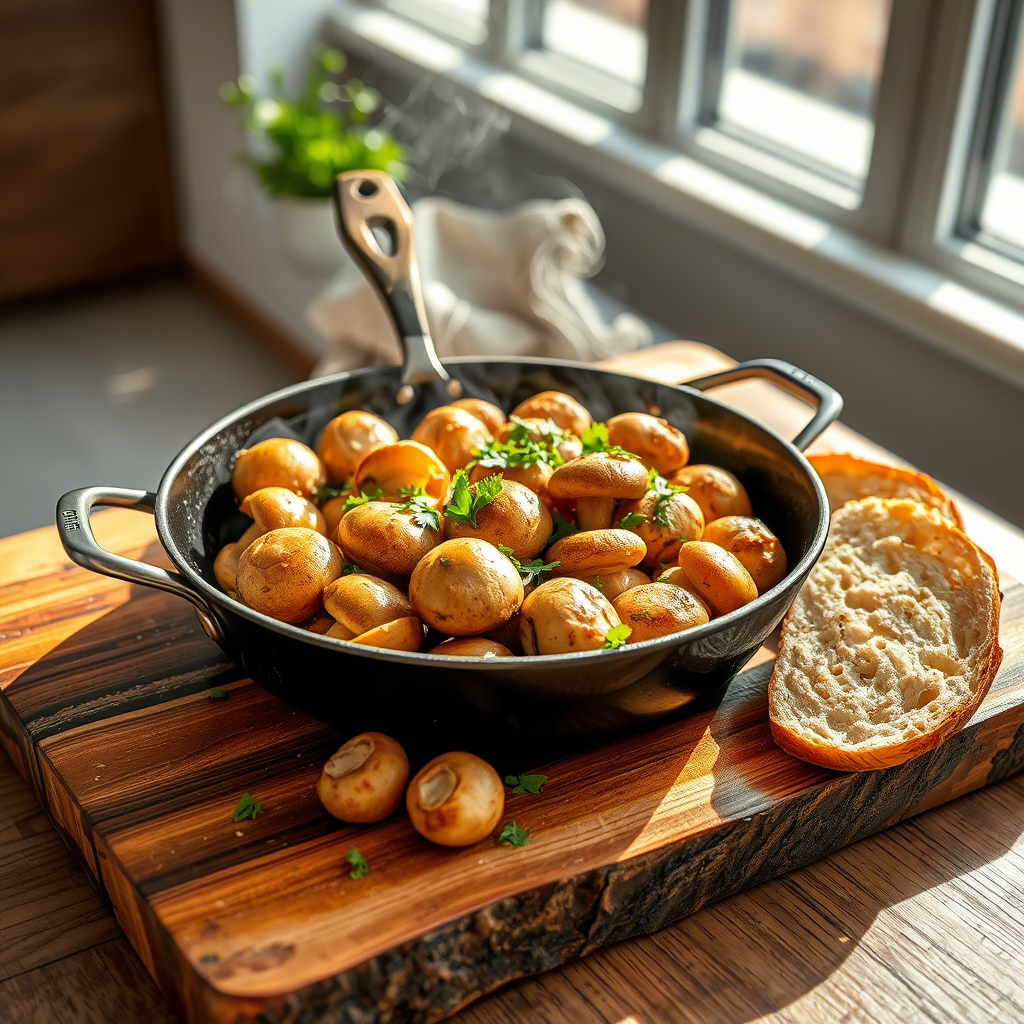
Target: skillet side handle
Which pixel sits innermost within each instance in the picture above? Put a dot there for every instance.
(79, 542)
(827, 402)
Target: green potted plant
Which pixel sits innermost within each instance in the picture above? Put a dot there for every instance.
(302, 143)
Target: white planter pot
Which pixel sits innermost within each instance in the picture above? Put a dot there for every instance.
(306, 231)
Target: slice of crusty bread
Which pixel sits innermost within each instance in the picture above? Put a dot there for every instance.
(891, 643)
(849, 477)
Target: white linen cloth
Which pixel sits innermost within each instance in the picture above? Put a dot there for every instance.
(505, 284)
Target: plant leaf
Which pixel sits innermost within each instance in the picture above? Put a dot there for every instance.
(513, 835)
(629, 521)
(216, 693)
(523, 784)
(358, 862)
(616, 637)
(247, 808)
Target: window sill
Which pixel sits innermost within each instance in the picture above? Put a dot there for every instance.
(932, 306)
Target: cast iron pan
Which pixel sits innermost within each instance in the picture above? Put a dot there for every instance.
(514, 709)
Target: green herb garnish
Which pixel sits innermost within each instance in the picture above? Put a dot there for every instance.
(324, 494)
(595, 439)
(563, 528)
(616, 637)
(522, 784)
(350, 568)
(356, 500)
(358, 862)
(411, 492)
(424, 513)
(665, 492)
(628, 521)
(465, 504)
(598, 582)
(646, 614)
(528, 570)
(443, 560)
(247, 808)
(216, 693)
(513, 835)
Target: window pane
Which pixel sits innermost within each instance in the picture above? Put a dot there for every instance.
(609, 35)
(803, 74)
(464, 19)
(1003, 210)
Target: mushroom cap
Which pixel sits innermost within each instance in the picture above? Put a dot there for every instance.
(472, 647)
(486, 412)
(611, 584)
(365, 779)
(273, 508)
(405, 634)
(565, 615)
(760, 551)
(453, 434)
(277, 462)
(596, 552)
(381, 537)
(283, 573)
(456, 799)
(401, 465)
(225, 567)
(659, 445)
(464, 587)
(361, 602)
(717, 575)
(677, 577)
(332, 511)
(599, 475)
(348, 439)
(562, 409)
(683, 521)
(715, 490)
(516, 518)
(658, 609)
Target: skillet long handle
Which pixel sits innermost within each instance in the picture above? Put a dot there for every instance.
(365, 201)
(827, 402)
(82, 547)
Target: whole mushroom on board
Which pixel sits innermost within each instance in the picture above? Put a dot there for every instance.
(715, 490)
(566, 615)
(456, 799)
(516, 518)
(596, 481)
(453, 434)
(277, 462)
(384, 537)
(348, 439)
(659, 445)
(562, 409)
(659, 609)
(754, 545)
(365, 779)
(283, 573)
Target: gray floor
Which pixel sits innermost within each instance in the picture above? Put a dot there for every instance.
(105, 387)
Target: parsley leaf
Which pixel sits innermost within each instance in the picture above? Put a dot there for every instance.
(324, 494)
(598, 582)
(628, 521)
(443, 560)
(355, 502)
(513, 835)
(616, 637)
(358, 862)
(646, 613)
(523, 784)
(411, 492)
(349, 568)
(216, 693)
(665, 491)
(424, 514)
(595, 439)
(528, 570)
(247, 808)
(465, 504)
(563, 528)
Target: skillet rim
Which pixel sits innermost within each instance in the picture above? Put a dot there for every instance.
(515, 664)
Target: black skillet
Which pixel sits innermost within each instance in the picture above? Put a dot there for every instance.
(511, 709)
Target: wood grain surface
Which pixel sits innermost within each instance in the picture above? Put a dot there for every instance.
(105, 712)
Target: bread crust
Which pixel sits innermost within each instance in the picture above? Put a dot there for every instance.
(854, 473)
(829, 755)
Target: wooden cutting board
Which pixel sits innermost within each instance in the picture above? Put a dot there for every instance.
(105, 711)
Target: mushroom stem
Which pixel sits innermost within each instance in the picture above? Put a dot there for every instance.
(348, 759)
(594, 513)
(437, 787)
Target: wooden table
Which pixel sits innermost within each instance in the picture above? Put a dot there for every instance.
(921, 922)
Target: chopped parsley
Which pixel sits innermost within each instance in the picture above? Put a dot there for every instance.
(350, 568)
(563, 528)
(424, 513)
(646, 613)
(247, 808)
(513, 835)
(358, 862)
(443, 560)
(355, 501)
(523, 784)
(216, 693)
(630, 520)
(528, 570)
(616, 637)
(411, 492)
(595, 439)
(665, 492)
(465, 504)
(324, 494)
(598, 582)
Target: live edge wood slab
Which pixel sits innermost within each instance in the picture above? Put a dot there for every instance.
(105, 712)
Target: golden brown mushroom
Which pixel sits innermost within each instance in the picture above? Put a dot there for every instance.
(348, 439)
(658, 609)
(401, 466)
(464, 587)
(611, 584)
(453, 434)
(717, 576)
(273, 508)
(562, 409)
(596, 480)
(489, 415)
(715, 490)
(277, 462)
(659, 445)
(332, 511)
(456, 799)
(361, 602)
(596, 553)
(516, 518)
(565, 615)
(225, 567)
(365, 779)
(405, 634)
(754, 545)
(384, 538)
(283, 573)
(667, 523)
(472, 647)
